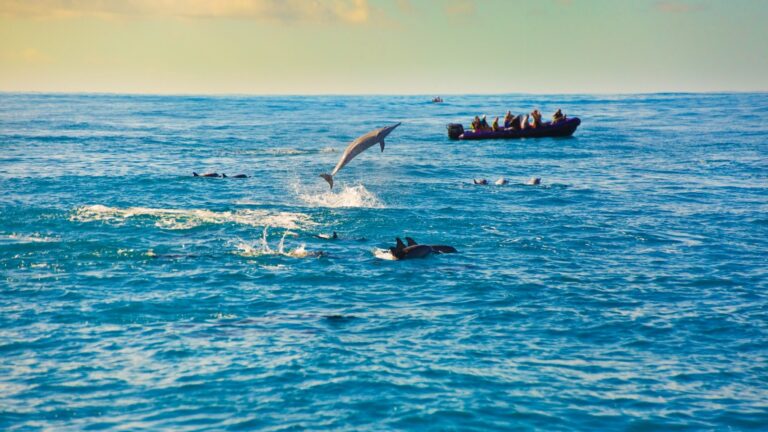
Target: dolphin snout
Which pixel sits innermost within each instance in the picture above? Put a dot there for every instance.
(388, 129)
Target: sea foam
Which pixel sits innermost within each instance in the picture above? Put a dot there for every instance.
(348, 196)
(179, 219)
(262, 247)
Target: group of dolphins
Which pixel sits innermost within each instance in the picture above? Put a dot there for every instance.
(359, 145)
(533, 181)
(400, 251)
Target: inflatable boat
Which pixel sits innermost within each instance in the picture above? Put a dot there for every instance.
(562, 128)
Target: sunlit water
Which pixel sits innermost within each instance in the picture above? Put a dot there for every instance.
(628, 291)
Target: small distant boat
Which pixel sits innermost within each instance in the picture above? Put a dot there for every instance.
(437, 100)
(562, 128)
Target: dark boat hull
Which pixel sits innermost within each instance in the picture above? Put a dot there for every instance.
(562, 129)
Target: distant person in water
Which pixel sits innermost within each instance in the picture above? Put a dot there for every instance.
(557, 116)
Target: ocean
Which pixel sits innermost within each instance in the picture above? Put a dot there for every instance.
(628, 291)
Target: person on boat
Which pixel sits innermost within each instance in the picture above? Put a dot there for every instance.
(484, 123)
(557, 116)
(516, 122)
(508, 119)
(524, 123)
(536, 118)
(476, 124)
(495, 125)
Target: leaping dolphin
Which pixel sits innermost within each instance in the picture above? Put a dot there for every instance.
(358, 146)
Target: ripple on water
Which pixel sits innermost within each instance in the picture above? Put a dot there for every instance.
(627, 291)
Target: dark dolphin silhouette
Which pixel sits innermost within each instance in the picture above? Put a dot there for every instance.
(415, 250)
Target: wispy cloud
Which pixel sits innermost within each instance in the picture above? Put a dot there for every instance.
(29, 55)
(405, 6)
(677, 7)
(460, 7)
(350, 11)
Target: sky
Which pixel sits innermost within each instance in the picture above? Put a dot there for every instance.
(383, 46)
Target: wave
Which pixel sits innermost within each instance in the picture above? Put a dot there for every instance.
(180, 219)
(262, 247)
(348, 196)
(32, 238)
(282, 151)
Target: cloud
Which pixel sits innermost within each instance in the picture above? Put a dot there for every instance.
(405, 6)
(32, 56)
(677, 7)
(460, 7)
(350, 11)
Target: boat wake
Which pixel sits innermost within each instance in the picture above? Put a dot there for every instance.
(261, 248)
(180, 219)
(348, 196)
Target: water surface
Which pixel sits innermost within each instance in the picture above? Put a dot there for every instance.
(628, 291)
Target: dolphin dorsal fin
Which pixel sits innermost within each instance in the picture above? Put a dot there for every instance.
(399, 243)
(411, 242)
(381, 143)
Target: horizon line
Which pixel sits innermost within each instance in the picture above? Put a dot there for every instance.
(224, 94)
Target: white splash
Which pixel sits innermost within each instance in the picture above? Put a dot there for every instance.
(179, 219)
(262, 248)
(348, 196)
(33, 238)
(384, 254)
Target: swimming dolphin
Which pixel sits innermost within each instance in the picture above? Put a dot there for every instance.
(235, 176)
(334, 236)
(533, 181)
(501, 181)
(480, 181)
(194, 174)
(414, 250)
(358, 146)
(435, 248)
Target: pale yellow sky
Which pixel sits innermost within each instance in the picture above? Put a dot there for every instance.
(383, 46)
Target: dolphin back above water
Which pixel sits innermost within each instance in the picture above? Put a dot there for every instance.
(358, 146)
(415, 250)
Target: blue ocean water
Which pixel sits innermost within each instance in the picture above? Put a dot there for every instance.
(628, 292)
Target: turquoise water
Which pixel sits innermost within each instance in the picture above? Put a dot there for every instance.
(628, 291)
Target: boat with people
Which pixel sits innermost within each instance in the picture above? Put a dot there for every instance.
(516, 127)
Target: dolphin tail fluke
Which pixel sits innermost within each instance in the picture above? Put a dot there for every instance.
(328, 178)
